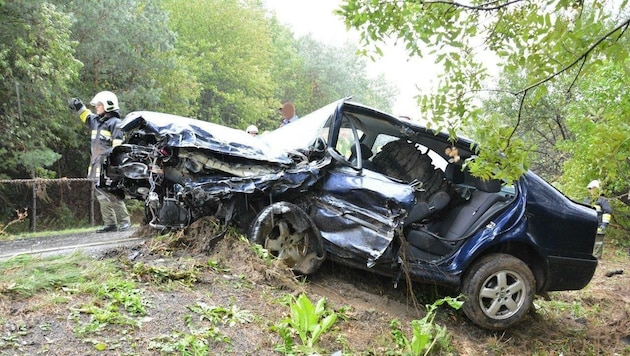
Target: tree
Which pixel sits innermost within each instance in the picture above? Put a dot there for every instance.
(225, 45)
(37, 67)
(541, 125)
(313, 74)
(127, 47)
(599, 120)
(334, 72)
(541, 39)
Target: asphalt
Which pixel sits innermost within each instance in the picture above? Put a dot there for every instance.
(88, 242)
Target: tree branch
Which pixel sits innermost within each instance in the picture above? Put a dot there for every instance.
(582, 57)
(518, 119)
(489, 6)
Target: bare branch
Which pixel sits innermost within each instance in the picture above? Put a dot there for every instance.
(518, 118)
(489, 6)
(577, 75)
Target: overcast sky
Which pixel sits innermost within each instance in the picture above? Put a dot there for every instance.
(316, 17)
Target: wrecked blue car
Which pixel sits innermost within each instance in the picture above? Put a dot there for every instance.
(366, 189)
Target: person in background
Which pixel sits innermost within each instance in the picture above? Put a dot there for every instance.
(104, 137)
(287, 113)
(252, 130)
(602, 206)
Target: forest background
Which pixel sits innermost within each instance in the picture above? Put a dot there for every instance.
(560, 104)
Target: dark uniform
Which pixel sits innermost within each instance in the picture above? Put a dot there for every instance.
(104, 136)
(602, 206)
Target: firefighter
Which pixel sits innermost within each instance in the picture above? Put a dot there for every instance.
(602, 206)
(252, 130)
(104, 136)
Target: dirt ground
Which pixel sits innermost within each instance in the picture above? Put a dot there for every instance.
(593, 321)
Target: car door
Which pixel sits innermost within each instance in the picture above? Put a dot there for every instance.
(358, 211)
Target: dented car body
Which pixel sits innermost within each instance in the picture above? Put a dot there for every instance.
(366, 189)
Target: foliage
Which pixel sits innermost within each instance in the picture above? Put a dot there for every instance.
(37, 67)
(197, 341)
(127, 47)
(194, 59)
(234, 74)
(427, 336)
(61, 217)
(541, 126)
(229, 316)
(599, 119)
(326, 76)
(308, 321)
(312, 74)
(161, 274)
(539, 39)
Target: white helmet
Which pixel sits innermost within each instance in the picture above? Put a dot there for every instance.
(108, 99)
(593, 184)
(252, 129)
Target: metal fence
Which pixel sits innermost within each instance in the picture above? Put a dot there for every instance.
(45, 195)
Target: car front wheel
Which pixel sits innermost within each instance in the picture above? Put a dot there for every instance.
(289, 234)
(499, 290)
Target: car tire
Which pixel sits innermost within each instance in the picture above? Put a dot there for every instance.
(289, 234)
(499, 289)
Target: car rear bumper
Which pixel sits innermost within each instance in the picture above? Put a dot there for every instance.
(566, 273)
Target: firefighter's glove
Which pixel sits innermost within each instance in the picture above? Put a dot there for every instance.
(76, 104)
(601, 229)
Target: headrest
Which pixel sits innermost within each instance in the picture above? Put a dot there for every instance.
(454, 173)
(490, 186)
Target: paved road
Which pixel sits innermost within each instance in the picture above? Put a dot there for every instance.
(88, 242)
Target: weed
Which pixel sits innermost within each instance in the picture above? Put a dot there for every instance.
(221, 315)
(555, 308)
(427, 336)
(100, 317)
(214, 265)
(162, 274)
(105, 309)
(262, 253)
(197, 340)
(306, 320)
(193, 343)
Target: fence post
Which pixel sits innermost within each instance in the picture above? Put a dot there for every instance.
(33, 215)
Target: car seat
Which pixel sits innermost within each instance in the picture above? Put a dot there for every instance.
(464, 218)
(366, 154)
(439, 239)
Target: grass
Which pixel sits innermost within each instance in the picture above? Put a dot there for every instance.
(108, 305)
(37, 234)
(26, 275)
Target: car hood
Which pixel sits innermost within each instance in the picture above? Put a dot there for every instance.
(182, 132)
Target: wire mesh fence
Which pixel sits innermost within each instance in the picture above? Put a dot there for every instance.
(49, 203)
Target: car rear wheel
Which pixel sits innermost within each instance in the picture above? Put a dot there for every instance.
(289, 234)
(499, 290)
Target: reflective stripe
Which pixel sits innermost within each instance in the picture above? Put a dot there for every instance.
(116, 142)
(97, 170)
(104, 133)
(606, 218)
(84, 114)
